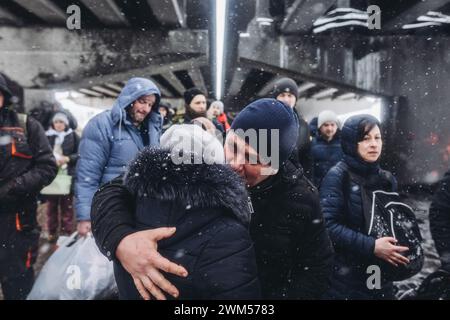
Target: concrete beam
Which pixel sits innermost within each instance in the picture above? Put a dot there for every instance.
(164, 91)
(345, 96)
(197, 78)
(239, 76)
(321, 59)
(44, 9)
(412, 13)
(107, 12)
(63, 56)
(7, 17)
(307, 94)
(302, 14)
(169, 12)
(105, 91)
(174, 82)
(90, 92)
(264, 92)
(114, 87)
(326, 93)
(306, 86)
(147, 72)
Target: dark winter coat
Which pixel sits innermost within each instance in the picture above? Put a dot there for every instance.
(208, 206)
(440, 221)
(313, 126)
(301, 156)
(26, 163)
(343, 211)
(70, 149)
(325, 154)
(293, 250)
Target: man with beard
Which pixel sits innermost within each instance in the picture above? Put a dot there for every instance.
(112, 138)
(195, 107)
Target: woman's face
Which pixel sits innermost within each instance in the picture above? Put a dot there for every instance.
(198, 104)
(59, 126)
(370, 147)
(2, 99)
(215, 111)
(163, 112)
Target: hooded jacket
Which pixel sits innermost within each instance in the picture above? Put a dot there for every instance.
(342, 207)
(26, 163)
(208, 206)
(110, 141)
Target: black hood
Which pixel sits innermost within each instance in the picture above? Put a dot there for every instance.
(349, 143)
(153, 174)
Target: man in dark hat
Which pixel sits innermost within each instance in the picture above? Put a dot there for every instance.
(196, 105)
(286, 91)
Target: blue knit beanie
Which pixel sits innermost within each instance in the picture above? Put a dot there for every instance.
(269, 114)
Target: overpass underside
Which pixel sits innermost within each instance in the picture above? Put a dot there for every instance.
(171, 42)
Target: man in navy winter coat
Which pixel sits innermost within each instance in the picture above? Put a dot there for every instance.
(326, 148)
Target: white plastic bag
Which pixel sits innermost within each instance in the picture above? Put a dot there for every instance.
(77, 270)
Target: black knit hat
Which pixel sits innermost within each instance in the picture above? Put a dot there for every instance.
(266, 114)
(284, 85)
(191, 93)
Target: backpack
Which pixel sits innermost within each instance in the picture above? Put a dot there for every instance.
(386, 215)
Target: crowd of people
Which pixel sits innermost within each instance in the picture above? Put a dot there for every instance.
(228, 222)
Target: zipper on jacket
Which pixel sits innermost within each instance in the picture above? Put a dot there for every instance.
(250, 205)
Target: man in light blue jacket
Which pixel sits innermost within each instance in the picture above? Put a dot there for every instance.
(112, 138)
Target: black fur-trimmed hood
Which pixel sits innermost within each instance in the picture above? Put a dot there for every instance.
(153, 174)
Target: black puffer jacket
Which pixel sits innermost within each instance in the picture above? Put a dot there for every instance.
(26, 163)
(293, 250)
(440, 221)
(208, 206)
(343, 210)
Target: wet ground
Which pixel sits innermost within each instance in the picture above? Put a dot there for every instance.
(421, 206)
